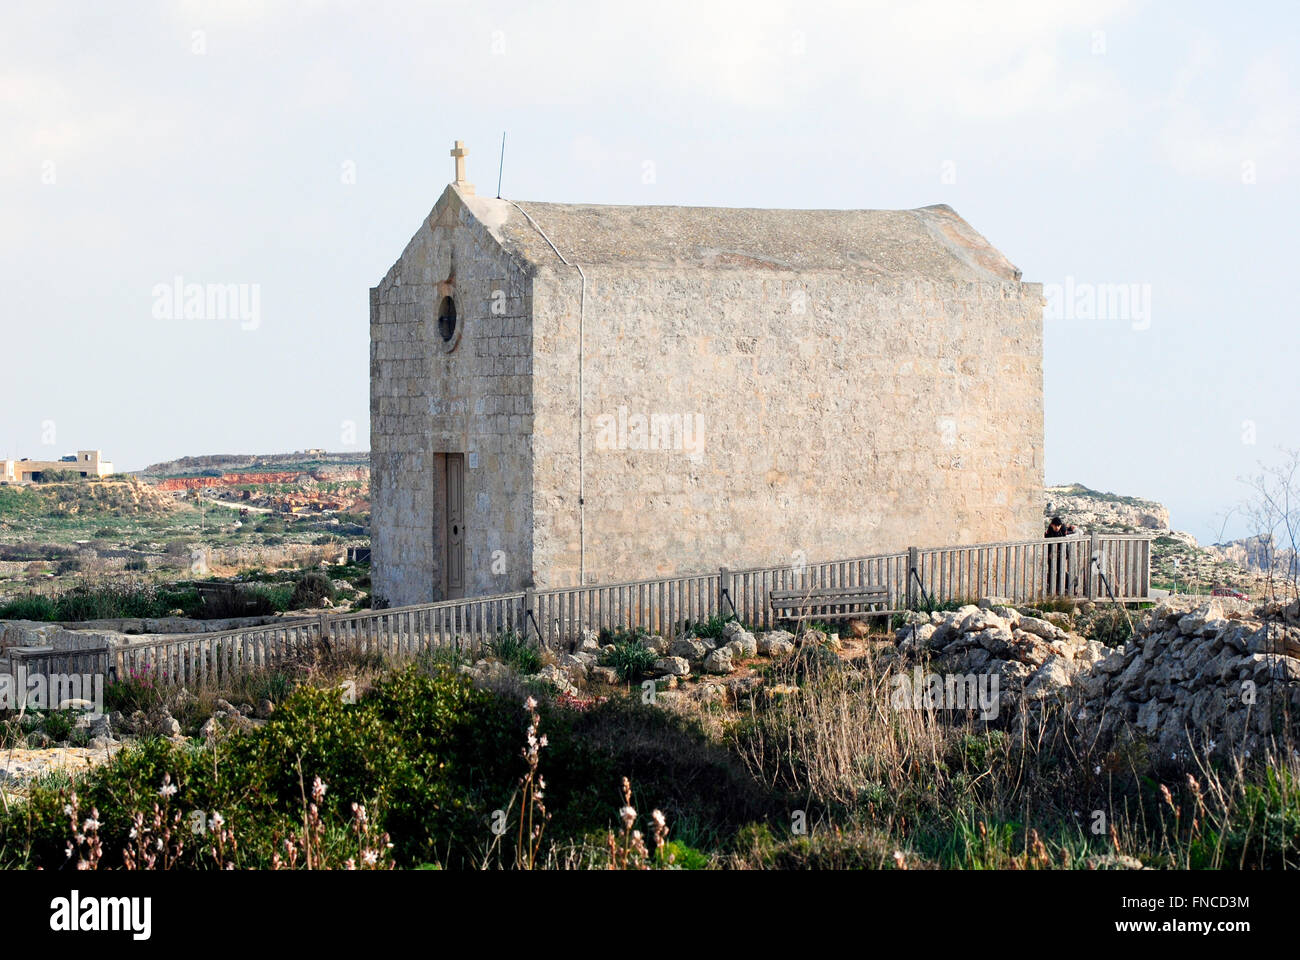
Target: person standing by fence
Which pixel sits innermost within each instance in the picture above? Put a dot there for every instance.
(1058, 557)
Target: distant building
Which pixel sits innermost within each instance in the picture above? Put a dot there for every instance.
(88, 463)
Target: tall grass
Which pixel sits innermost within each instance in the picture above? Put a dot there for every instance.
(1031, 791)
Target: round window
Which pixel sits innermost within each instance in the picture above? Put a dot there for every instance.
(447, 319)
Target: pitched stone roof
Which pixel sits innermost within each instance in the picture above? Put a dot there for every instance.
(931, 242)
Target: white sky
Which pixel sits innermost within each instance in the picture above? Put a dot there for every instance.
(1104, 142)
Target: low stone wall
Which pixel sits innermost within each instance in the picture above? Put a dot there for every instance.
(1217, 677)
(92, 633)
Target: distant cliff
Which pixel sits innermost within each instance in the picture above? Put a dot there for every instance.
(1176, 556)
(1104, 512)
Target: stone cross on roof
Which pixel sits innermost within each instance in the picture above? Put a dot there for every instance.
(460, 152)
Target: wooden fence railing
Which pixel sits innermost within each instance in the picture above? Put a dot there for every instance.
(1020, 570)
(397, 631)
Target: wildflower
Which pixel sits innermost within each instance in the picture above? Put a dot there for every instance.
(628, 815)
(658, 817)
(1168, 797)
(168, 788)
(1097, 769)
(530, 704)
(370, 857)
(899, 860)
(216, 822)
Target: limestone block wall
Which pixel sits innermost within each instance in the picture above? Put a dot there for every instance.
(832, 417)
(471, 396)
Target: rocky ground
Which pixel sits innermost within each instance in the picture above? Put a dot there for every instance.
(21, 765)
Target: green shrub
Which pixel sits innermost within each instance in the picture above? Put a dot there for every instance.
(630, 658)
(712, 627)
(1111, 626)
(138, 690)
(311, 590)
(430, 756)
(514, 650)
(30, 607)
(57, 725)
(678, 856)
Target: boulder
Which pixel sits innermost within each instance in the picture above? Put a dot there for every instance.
(657, 643)
(588, 642)
(1191, 622)
(167, 726)
(1050, 679)
(718, 661)
(689, 649)
(1041, 628)
(741, 641)
(574, 667)
(771, 645)
(555, 677)
(784, 640)
(676, 666)
(918, 636)
(1114, 861)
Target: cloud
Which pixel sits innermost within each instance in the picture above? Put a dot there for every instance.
(1232, 131)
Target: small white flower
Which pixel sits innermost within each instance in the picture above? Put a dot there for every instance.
(216, 822)
(371, 857)
(530, 704)
(628, 815)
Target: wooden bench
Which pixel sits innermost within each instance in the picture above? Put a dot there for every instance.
(831, 603)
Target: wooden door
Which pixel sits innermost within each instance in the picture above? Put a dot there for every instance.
(454, 524)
